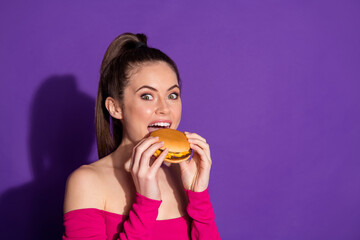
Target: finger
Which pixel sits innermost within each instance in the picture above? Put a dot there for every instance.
(194, 135)
(198, 140)
(146, 155)
(157, 163)
(139, 149)
(201, 152)
(134, 151)
(146, 138)
(201, 144)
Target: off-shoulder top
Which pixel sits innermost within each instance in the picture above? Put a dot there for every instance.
(141, 223)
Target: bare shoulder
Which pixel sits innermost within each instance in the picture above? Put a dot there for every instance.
(83, 189)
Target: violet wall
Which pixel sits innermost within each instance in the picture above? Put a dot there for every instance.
(272, 85)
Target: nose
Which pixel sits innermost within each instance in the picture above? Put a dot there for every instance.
(162, 107)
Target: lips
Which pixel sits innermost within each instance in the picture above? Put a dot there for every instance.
(159, 124)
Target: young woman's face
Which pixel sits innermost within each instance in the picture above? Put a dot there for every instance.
(151, 101)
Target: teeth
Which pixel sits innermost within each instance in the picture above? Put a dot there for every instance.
(160, 124)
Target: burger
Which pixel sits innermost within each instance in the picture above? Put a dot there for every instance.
(176, 142)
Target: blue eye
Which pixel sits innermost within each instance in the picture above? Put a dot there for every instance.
(147, 96)
(174, 96)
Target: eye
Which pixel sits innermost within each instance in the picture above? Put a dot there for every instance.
(173, 96)
(147, 96)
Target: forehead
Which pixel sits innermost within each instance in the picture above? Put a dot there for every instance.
(155, 74)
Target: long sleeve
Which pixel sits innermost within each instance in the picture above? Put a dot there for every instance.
(91, 224)
(200, 210)
(84, 224)
(141, 219)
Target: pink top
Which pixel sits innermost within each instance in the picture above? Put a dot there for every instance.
(141, 223)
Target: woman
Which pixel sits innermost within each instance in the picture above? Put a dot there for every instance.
(128, 194)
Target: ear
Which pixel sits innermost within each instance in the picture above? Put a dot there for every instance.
(113, 108)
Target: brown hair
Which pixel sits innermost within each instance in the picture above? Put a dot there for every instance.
(125, 53)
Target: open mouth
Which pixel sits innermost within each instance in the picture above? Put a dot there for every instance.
(158, 125)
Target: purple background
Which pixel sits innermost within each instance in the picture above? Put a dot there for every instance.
(272, 85)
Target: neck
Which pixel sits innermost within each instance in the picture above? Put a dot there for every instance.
(121, 157)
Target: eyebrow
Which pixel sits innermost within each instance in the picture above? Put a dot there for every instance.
(154, 89)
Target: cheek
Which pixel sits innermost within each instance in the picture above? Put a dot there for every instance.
(179, 110)
(135, 120)
(138, 112)
(177, 113)
(143, 110)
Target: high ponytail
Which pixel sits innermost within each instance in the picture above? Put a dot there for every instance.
(104, 138)
(125, 52)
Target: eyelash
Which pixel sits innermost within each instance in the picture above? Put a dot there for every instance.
(146, 94)
(177, 96)
(143, 96)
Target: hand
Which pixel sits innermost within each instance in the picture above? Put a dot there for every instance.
(143, 172)
(195, 173)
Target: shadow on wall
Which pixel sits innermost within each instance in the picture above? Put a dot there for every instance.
(60, 140)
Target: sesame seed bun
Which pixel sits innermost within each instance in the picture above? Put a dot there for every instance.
(176, 142)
